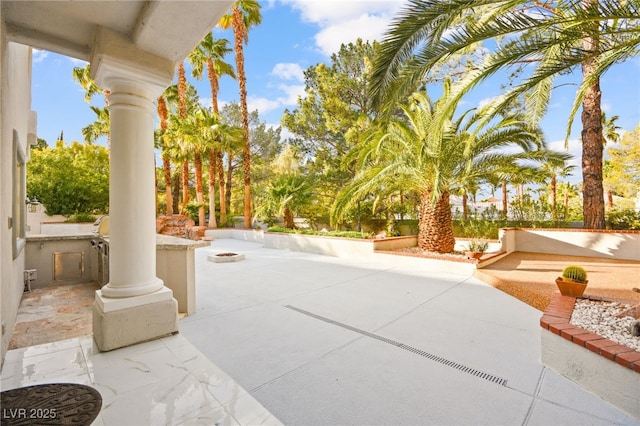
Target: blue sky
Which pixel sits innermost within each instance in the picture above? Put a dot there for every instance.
(297, 34)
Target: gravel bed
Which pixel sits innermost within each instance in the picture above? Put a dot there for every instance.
(600, 317)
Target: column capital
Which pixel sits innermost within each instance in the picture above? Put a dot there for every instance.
(118, 65)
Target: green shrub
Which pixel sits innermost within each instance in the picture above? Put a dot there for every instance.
(192, 211)
(342, 234)
(623, 219)
(81, 218)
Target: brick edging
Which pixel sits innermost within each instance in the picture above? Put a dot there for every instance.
(556, 319)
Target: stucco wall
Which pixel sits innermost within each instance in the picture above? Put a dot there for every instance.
(15, 108)
(36, 219)
(574, 242)
(338, 247)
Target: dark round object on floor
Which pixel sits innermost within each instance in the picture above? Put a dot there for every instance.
(50, 404)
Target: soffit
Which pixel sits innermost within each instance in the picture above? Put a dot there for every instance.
(168, 29)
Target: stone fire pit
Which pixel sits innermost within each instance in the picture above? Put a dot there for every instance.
(225, 257)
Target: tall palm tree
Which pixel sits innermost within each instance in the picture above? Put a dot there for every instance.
(179, 102)
(553, 38)
(554, 168)
(212, 137)
(163, 114)
(244, 15)
(430, 152)
(182, 113)
(210, 53)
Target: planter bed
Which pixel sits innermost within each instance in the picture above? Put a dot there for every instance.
(608, 369)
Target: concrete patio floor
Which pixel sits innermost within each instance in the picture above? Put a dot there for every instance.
(325, 341)
(306, 339)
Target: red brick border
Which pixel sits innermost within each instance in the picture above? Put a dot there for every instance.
(556, 319)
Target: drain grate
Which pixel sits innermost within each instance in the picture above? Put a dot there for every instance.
(465, 369)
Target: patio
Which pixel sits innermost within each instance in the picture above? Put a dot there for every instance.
(309, 339)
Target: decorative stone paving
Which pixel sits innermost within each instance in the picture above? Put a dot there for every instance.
(54, 313)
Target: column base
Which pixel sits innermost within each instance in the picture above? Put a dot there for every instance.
(117, 323)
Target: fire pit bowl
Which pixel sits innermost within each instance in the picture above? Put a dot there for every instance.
(225, 257)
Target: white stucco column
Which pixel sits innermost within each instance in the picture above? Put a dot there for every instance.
(134, 306)
(132, 241)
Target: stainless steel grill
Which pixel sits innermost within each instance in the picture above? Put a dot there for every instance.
(101, 244)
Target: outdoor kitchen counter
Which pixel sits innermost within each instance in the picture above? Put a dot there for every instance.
(175, 265)
(58, 237)
(167, 242)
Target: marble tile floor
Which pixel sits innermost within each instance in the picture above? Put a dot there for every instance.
(161, 382)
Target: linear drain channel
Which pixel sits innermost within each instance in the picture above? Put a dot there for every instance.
(432, 357)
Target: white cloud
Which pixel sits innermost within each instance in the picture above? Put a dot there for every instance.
(288, 71)
(366, 27)
(263, 105)
(487, 101)
(574, 148)
(286, 134)
(292, 92)
(205, 102)
(39, 55)
(343, 21)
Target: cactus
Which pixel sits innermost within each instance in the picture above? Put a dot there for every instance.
(575, 273)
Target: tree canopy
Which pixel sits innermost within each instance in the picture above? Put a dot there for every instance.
(70, 179)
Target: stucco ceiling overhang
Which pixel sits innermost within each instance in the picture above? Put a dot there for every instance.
(164, 28)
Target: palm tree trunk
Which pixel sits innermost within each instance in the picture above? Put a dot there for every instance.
(166, 168)
(592, 140)
(197, 163)
(554, 197)
(505, 200)
(465, 208)
(288, 218)
(229, 181)
(185, 185)
(213, 82)
(176, 192)
(239, 31)
(435, 227)
(182, 106)
(213, 161)
(166, 162)
(221, 190)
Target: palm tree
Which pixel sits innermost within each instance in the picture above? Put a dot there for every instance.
(285, 195)
(180, 102)
(552, 38)
(244, 15)
(99, 128)
(182, 113)
(83, 76)
(556, 168)
(610, 128)
(163, 114)
(210, 52)
(430, 152)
